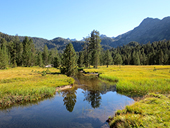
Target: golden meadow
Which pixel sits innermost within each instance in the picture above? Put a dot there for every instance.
(153, 82)
(29, 84)
(137, 79)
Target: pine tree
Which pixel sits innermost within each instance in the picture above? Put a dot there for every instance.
(129, 58)
(95, 48)
(4, 54)
(166, 59)
(133, 58)
(40, 62)
(118, 59)
(108, 58)
(51, 56)
(102, 58)
(20, 54)
(161, 57)
(69, 64)
(136, 59)
(33, 51)
(81, 60)
(86, 52)
(13, 54)
(143, 57)
(2, 66)
(16, 43)
(169, 60)
(57, 60)
(45, 55)
(27, 52)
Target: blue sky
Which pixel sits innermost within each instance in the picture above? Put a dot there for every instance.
(76, 18)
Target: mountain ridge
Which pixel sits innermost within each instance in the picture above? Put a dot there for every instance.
(149, 30)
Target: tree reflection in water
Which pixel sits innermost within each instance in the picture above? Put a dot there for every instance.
(93, 89)
(69, 99)
(93, 97)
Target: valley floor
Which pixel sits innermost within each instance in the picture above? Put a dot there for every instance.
(153, 82)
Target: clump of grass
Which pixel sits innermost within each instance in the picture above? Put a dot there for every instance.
(153, 111)
(44, 73)
(48, 71)
(154, 69)
(18, 85)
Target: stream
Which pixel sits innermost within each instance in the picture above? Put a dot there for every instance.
(87, 105)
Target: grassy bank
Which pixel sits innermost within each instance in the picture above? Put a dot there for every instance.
(29, 83)
(151, 112)
(152, 81)
(137, 79)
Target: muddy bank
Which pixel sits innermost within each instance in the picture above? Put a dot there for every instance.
(63, 87)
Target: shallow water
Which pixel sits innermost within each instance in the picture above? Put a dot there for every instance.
(87, 105)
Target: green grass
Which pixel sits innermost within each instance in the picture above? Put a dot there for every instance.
(152, 81)
(137, 79)
(28, 84)
(151, 112)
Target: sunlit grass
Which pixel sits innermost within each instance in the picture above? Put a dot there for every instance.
(26, 84)
(137, 79)
(153, 111)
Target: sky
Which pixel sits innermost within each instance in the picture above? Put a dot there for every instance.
(76, 18)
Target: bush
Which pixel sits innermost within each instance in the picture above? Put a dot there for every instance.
(43, 73)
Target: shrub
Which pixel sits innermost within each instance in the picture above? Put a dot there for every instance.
(43, 73)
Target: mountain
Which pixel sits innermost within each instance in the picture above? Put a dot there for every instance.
(102, 36)
(72, 39)
(59, 43)
(149, 30)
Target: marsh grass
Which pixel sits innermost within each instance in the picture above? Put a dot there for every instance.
(151, 81)
(28, 84)
(152, 111)
(137, 79)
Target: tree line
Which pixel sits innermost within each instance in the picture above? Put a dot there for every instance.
(15, 53)
(156, 53)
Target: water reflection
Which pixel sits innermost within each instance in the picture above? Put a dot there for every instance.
(88, 104)
(69, 99)
(92, 83)
(93, 97)
(93, 88)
